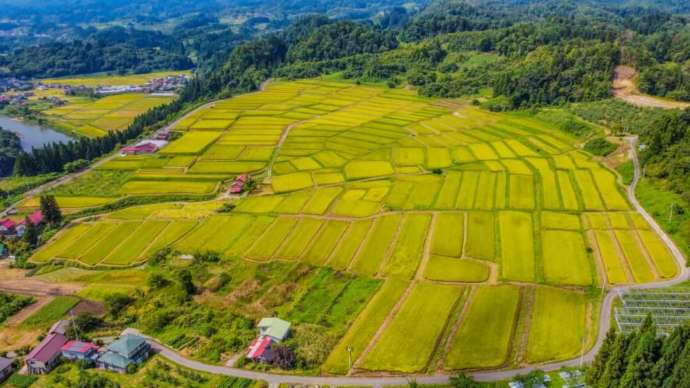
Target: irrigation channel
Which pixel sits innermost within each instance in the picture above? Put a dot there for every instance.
(612, 293)
(32, 136)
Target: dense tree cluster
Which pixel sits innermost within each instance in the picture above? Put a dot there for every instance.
(55, 157)
(669, 80)
(643, 359)
(52, 215)
(340, 40)
(579, 71)
(10, 147)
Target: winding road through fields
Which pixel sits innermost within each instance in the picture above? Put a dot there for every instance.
(273, 379)
(604, 323)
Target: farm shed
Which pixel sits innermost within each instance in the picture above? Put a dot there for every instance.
(146, 148)
(46, 355)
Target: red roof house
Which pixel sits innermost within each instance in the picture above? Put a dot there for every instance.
(44, 357)
(36, 217)
(77, 350)
(238, 184)
(7, 226)
(146, 148)
(260, 349)
(162, 135)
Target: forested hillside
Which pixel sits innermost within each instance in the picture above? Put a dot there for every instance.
(116, 49)
(513, 54)
(205, 31)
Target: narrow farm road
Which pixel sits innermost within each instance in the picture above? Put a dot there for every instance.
(69, 177)
(441, 378)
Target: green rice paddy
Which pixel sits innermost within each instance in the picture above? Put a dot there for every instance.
(484, 227)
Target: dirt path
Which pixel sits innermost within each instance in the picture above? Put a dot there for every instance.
(467, 302)
(14, 281)
(281, 141)
(385, 324)
(624, 88)
(19, 317)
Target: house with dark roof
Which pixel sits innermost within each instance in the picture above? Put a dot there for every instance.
(80, 351)
(46, 356)
(124, 351)
(5, 368)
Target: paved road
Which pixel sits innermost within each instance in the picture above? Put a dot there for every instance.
(604, 324)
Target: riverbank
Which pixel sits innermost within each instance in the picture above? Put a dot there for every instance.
(33, 135)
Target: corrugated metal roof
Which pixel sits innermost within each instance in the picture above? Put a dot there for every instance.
(114, 359)
(258, 347)
(126, 344)
(5, 363)
(275, 327)
(48, 348)
(79, 347)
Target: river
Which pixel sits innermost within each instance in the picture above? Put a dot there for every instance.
(32, 136)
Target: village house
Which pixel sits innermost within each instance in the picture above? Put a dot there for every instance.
(238, 184)
(146, 148)
(162, 135)
(124, 351)
(271, 330)
(46, 356)
(5, 368)
(143, 147)
(12, 228)
(275, 328)
(35, 218)
(80, 351)
(261, 350)
(7, 227)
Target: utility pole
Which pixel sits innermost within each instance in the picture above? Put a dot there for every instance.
(74, 324)
(670, 213)
(349, 357)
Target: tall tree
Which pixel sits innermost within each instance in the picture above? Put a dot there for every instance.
(50, 210)
(595, 372)
(639, 372)
(681, 373)
(31, 233)
(671, 352)
(615, 366)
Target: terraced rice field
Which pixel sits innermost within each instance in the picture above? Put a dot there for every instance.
(478, 258)
(96, 117)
